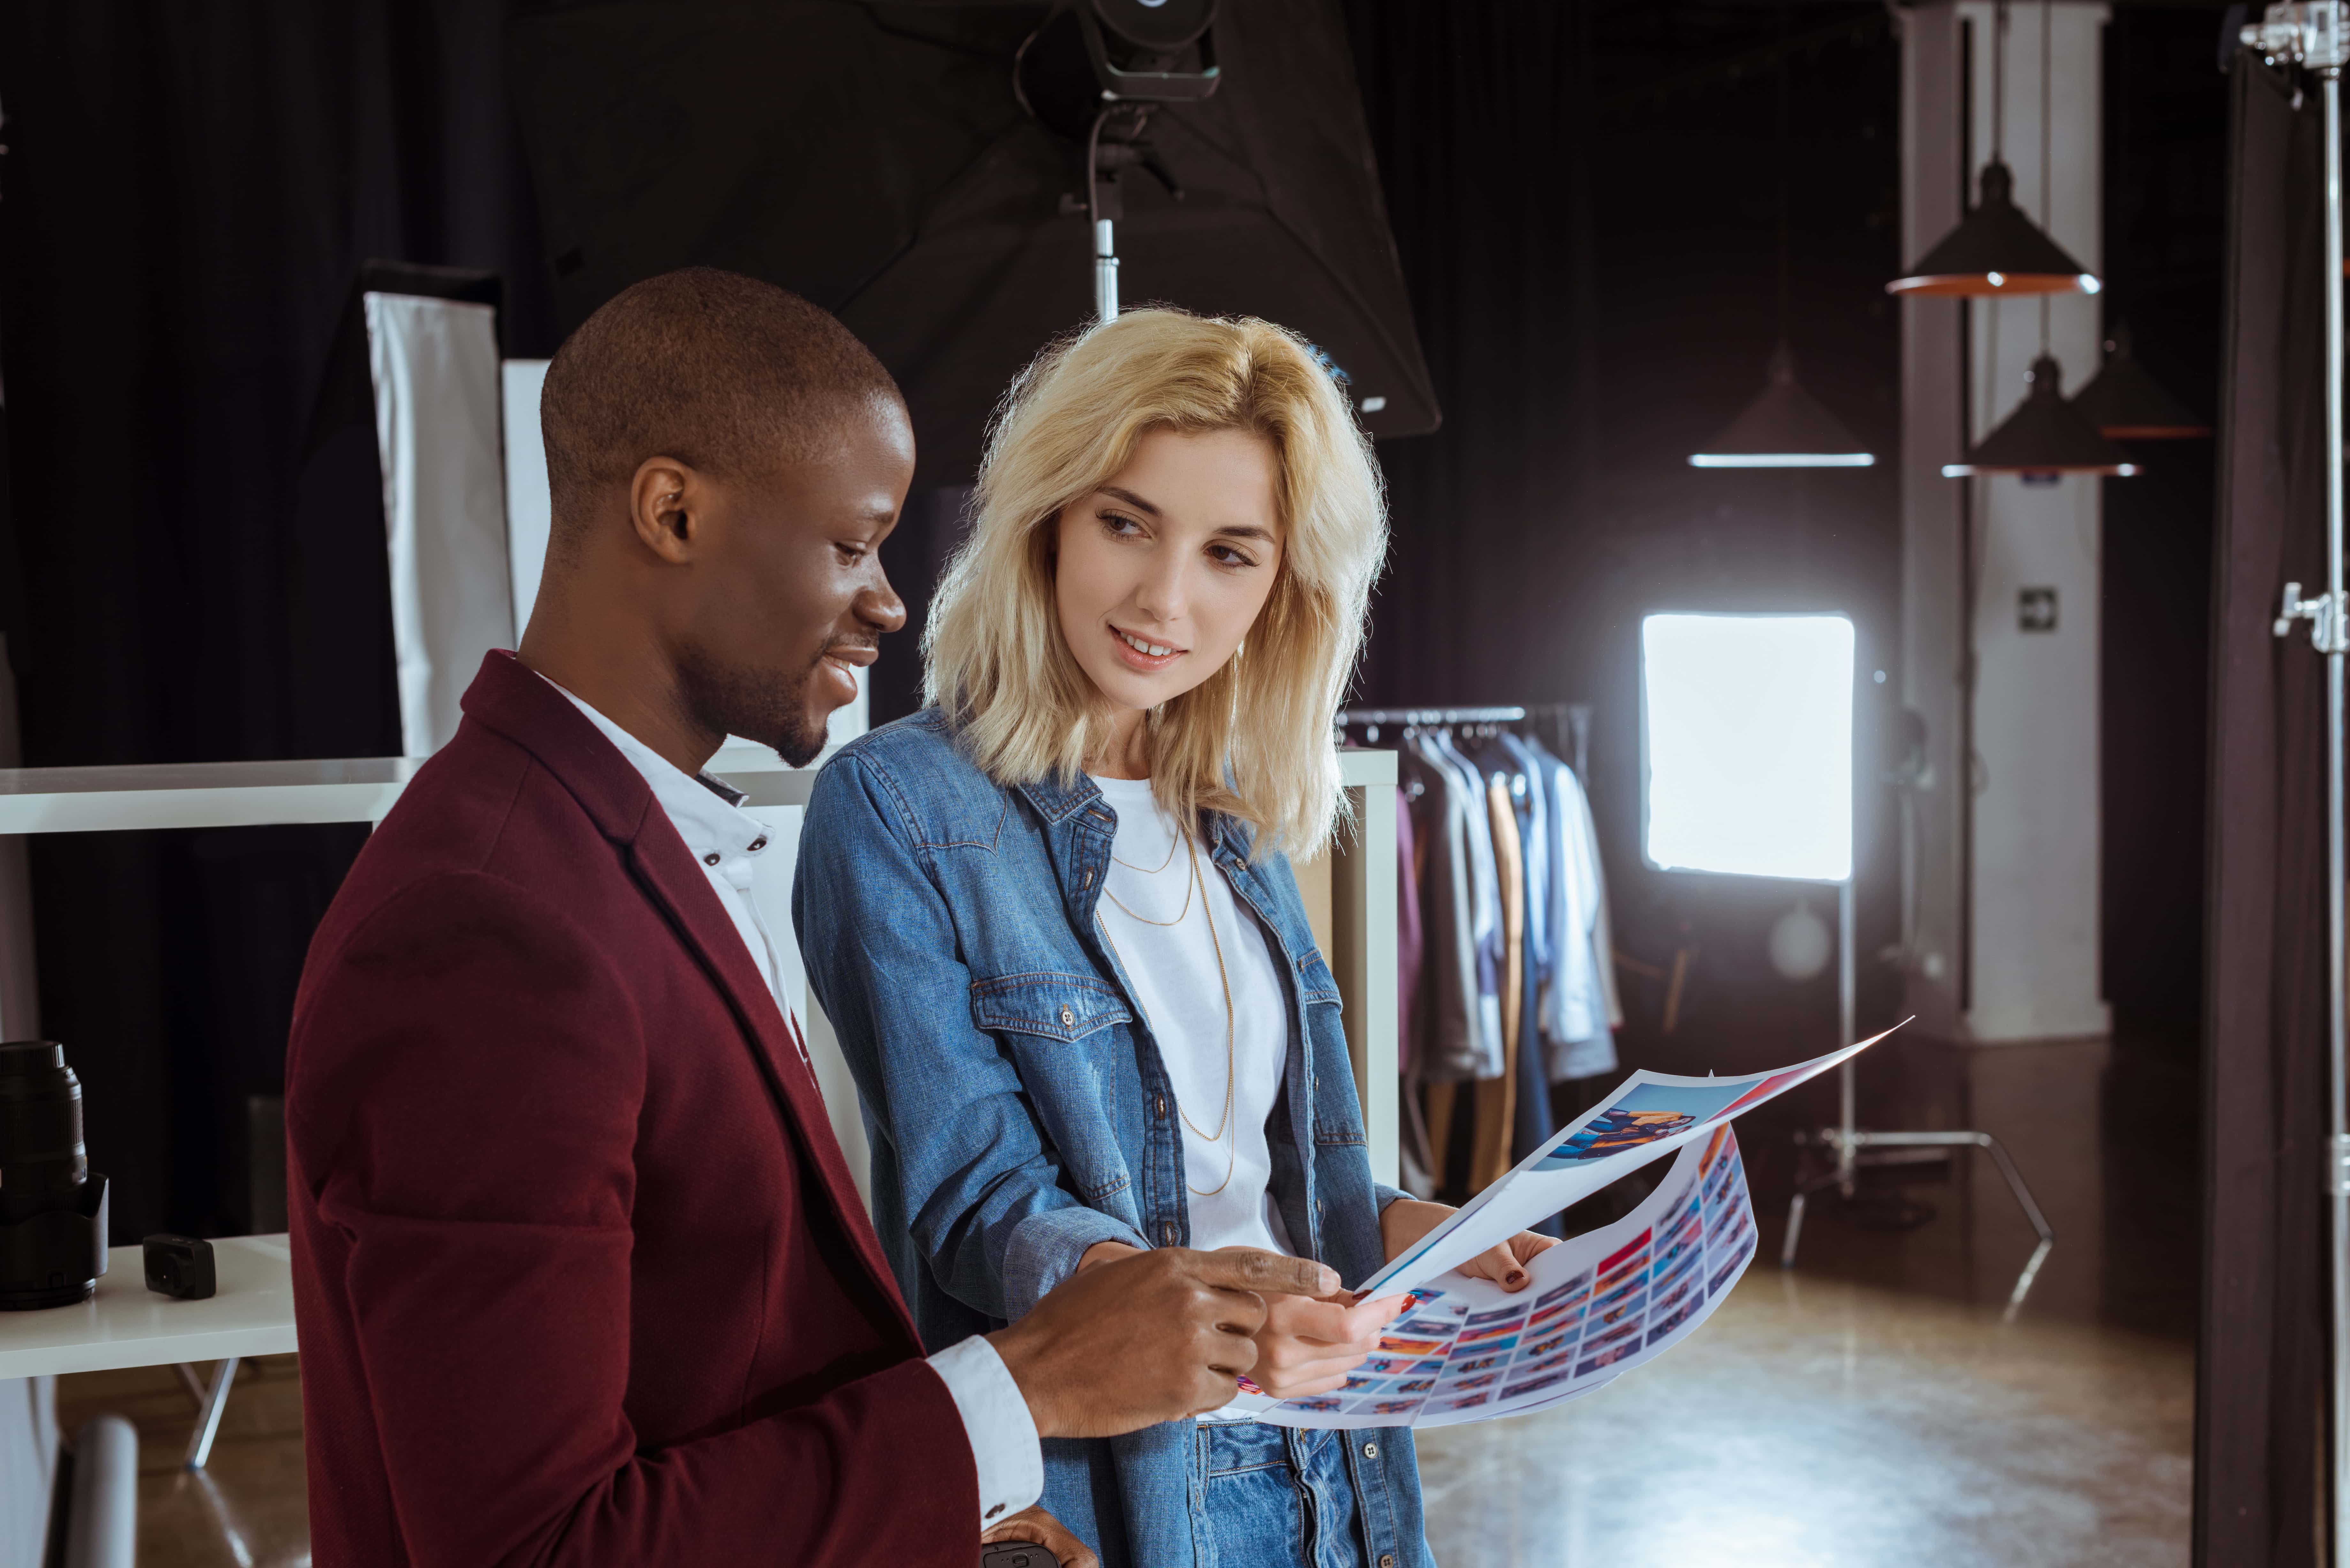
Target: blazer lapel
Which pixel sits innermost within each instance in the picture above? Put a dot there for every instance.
(511, 699)
(667, 870)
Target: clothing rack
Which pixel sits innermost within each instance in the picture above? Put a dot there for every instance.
(1569, 722)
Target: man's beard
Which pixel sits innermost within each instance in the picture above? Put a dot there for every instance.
(755, 704)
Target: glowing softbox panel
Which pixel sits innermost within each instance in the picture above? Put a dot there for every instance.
(1746, 744)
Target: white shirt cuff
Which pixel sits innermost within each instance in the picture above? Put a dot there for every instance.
(1003, 1441)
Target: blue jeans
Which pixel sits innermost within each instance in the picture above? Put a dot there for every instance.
(1278, 1496)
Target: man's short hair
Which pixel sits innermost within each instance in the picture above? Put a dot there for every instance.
(719, 371)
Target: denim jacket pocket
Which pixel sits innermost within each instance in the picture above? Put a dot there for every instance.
(1064, 1007)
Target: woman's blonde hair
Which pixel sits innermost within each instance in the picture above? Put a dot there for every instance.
(1255, 739)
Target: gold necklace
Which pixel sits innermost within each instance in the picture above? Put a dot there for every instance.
(1172, 846)
(1188, 887)
(1232, 1073)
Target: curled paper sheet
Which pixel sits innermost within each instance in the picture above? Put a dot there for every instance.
(1600, 1304)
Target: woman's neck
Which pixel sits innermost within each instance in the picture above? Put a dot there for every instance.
(1127, 753)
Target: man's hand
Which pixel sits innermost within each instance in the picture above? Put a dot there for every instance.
(1134, 1341)
(1404, 1221)
(1034, 1524)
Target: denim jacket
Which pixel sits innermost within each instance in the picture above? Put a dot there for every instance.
(1018, 1107)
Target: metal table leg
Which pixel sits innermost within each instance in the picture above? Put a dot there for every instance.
(208, 1418)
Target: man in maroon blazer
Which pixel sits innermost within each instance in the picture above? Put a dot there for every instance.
(581, 1273)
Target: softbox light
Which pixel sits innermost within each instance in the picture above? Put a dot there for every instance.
(1746, 744)
(875, 159)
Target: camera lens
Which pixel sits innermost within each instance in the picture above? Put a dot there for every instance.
(42, 1160)
(52, 1209)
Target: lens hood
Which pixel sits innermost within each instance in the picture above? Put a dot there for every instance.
(52, 1205)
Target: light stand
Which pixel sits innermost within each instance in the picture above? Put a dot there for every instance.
(2316, 36)
(1746, 732)
(1855, 1148)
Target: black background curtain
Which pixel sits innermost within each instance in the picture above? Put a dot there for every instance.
(190, 192)
(1478, 112)
(2262, 1365)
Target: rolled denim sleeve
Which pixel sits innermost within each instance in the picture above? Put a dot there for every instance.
(976, 1184)
(1385, 1195)
(1045, 1249)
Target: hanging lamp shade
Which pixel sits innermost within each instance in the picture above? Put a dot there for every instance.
(2045, 436)
(2127, 403)
(1783, 427)
(1996, 250)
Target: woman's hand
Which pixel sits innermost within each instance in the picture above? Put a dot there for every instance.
(1305, 1345)
(1403, 1223)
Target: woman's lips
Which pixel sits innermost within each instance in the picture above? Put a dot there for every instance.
(1136, 658)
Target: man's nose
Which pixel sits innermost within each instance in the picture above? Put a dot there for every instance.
(878, 604)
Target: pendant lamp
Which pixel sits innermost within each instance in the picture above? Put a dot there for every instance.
(1996, 250)
(1784, 426)
(2126, 402)
(2045, 437)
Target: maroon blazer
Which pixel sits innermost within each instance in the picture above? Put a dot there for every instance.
(579, 1271)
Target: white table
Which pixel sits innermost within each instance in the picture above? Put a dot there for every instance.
(127, 1325)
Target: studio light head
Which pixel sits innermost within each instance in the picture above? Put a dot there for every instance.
(1090, 54)
(52, 1205)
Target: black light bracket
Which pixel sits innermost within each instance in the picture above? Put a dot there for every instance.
(1158, 83)
(1094, 72)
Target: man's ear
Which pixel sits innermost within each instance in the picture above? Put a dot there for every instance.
(665, 504)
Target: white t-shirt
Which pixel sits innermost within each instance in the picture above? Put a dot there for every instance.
(1173, 971)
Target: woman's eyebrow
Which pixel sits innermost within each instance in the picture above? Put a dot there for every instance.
(1246, 531)
(1132, 499)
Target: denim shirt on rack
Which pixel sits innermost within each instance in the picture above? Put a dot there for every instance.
(1018, 1107)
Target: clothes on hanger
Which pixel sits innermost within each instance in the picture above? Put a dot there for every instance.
(1497, 1095)
(1449, 1041)
(1506, 983)
(1580, 1008)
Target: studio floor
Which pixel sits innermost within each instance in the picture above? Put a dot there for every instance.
(1878, 1406)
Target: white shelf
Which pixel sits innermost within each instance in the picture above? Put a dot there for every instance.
(127, 1325)
(250, 794)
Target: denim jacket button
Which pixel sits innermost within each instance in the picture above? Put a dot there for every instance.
(1386, 1560)
(1068, 1019)
(1167, 1234)
(1371, 1451)
(1163, 1107)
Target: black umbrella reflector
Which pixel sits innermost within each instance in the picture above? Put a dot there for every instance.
(875, 159)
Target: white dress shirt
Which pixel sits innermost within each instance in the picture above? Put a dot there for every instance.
(728, 841)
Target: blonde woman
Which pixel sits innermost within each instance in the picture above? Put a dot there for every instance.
(1052, 920)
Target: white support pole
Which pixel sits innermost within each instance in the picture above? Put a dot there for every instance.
(1363, 960)
(1105, 270)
